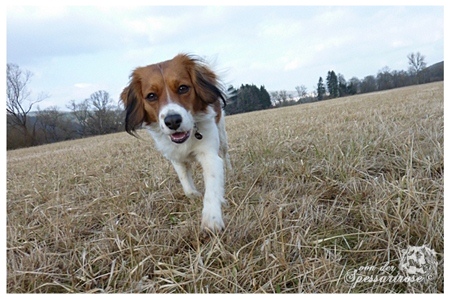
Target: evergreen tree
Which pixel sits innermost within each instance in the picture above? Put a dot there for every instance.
(332, 84)
(320, 89)
(248, 98)
(265, 98)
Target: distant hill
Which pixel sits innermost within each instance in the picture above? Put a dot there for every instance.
(434, 72)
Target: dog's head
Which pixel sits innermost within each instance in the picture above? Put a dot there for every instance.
(171, 93)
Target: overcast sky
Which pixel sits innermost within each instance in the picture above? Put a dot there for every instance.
(74, 51)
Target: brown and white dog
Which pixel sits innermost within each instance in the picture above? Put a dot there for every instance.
(179, 102)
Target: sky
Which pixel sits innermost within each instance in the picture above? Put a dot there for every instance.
(74, 51)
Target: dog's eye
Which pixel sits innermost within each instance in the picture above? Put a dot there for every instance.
(183, 89)
(151, 97)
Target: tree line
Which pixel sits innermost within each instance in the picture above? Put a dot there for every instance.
(418, 73)
(27, 127)
(246, 99)
(335, 85)
(98, 114)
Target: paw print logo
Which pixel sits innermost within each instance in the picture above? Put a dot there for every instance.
(420, 261)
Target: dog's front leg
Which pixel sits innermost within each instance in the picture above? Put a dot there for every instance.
(185, 175)
(213, 174)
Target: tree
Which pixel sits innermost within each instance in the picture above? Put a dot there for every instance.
(320, 89)
(247, 98)
(302, 92)
(416, 65)
(332, 84)
(53, 125)
(279, 98)
(354, 86)
(264, 99)
(103, 118)
(97, 115)
(401, 78)
(385, 79)
(18, 102)
(232, 101)
(342, 85)
(368, 84)
(80, 112)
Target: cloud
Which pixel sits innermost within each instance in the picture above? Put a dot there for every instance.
(83, 85)
(38, 32)
(292, 65)
(280, 47)
(39, 13)
(281, 29)
(332, 17)
(156, 28)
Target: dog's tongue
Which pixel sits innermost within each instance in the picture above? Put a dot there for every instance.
(179, 134)
(179, 137)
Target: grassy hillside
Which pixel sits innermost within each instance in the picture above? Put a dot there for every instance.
(318, 190)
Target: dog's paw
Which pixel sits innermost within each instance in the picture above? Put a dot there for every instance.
(192, 194)
(228, 166)
(212, 222)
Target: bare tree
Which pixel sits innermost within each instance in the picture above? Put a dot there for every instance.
(385, 79)
(105, 118)
(301, 91)
(54, 124)
(97, 115)
(368, 84)
(81, 113)
(279, 98)
(18, 102)
(416, 64)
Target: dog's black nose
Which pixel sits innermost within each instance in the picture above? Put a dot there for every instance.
(173, 121)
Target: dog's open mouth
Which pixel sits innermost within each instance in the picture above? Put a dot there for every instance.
(180, 137)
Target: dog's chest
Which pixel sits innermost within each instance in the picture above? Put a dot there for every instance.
(176, 152)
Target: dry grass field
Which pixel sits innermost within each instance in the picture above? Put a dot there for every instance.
(318, 191)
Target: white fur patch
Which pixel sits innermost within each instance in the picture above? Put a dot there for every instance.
(209, 152)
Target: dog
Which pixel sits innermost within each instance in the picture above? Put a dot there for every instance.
(179, 102)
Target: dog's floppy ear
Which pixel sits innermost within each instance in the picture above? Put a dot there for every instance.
(135, 114)
(206, 84)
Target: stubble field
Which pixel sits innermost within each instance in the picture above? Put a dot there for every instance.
(317, 191)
